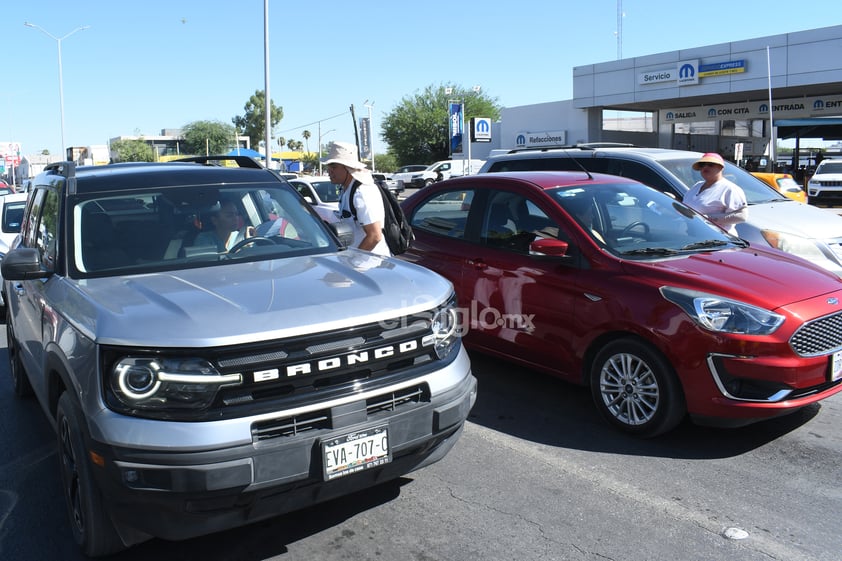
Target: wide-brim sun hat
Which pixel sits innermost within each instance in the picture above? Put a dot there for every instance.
(709, 158)
(343, 153)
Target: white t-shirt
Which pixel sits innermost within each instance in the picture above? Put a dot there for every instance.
(721, 202)
(369, 206)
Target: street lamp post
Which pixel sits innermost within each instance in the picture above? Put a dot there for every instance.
(320, 144)
(58, 41)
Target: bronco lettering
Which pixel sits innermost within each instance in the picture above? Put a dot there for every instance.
(350, 359)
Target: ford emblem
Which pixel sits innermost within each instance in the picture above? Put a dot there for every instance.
(833, 301)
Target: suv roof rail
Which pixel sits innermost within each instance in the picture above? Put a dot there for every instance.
(597, 145)
(581, 146)
(241, 161)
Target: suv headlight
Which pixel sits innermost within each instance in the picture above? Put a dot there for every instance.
(444, 325)
(723, 315)
(167, 384)
(797, 245)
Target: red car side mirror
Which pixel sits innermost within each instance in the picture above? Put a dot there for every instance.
(549, 247)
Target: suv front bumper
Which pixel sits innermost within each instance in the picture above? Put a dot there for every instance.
(178, 495)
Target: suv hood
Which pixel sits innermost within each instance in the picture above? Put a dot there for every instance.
(247, 302)
(825, 176)
(796, 218)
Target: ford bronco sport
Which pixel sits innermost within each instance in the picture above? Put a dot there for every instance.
(195, 389)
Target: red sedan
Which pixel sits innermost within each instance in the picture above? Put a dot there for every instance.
(603, 281)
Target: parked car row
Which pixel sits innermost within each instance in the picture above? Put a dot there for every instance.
(611, 282)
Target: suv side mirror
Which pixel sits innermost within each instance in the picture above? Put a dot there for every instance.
(344, 232)
(23, 263)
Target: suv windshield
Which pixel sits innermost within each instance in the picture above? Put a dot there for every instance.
(756, 191)
(132, 231)
(829, 167)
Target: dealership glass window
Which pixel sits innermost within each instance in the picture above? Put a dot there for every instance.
(628, 121)
(745, 128)
(696, 127)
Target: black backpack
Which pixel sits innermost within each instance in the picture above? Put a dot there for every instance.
(396, 228)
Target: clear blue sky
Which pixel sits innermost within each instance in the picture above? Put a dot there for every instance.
(143, 66)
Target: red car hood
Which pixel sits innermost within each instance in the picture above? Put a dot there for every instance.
(769, 279)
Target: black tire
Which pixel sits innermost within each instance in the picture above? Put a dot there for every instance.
(20, 381)
(636, 389)
(92, 528)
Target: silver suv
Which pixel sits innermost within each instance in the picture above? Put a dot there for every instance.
(773, 220)
(211, 354)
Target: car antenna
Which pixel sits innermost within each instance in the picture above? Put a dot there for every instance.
(578, 163)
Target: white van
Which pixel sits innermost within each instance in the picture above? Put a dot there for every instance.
(444, 169)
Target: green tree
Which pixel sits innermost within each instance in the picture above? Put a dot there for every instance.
(387, 163)
(306, 134)
(310, 161)
(207, 137)
(417, 129)
(136, 150)
(253, 121)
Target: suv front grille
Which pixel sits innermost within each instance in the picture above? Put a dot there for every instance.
(295, 369)
(389, 402)
(818, 337)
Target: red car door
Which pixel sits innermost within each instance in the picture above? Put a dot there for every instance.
(521, 305)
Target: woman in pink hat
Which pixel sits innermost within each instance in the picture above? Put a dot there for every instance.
(722, 201)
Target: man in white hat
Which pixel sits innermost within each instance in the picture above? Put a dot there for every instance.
(345, 169)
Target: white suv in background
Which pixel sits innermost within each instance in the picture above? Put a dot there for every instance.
(773, 220)
(825, 186)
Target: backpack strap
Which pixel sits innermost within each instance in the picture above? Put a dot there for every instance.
(356, 183)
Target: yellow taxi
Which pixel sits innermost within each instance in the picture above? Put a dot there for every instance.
(783, 183)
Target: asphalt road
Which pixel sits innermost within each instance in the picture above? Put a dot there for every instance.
(536, 475)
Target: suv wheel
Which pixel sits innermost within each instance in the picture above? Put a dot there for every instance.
(20, 381)
(635, 389)
(92, 528)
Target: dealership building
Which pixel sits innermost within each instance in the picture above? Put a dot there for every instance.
(730, 98)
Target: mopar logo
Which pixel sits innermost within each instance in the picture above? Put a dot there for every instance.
(520, 140)
(711, 112)
(483, 125)
(818, 104)
(764, 108)
(686, 71)
(670, 115)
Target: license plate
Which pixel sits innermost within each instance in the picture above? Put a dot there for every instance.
(836, 366)
(355, 452)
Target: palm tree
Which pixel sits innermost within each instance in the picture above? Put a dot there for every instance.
(306, 135)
